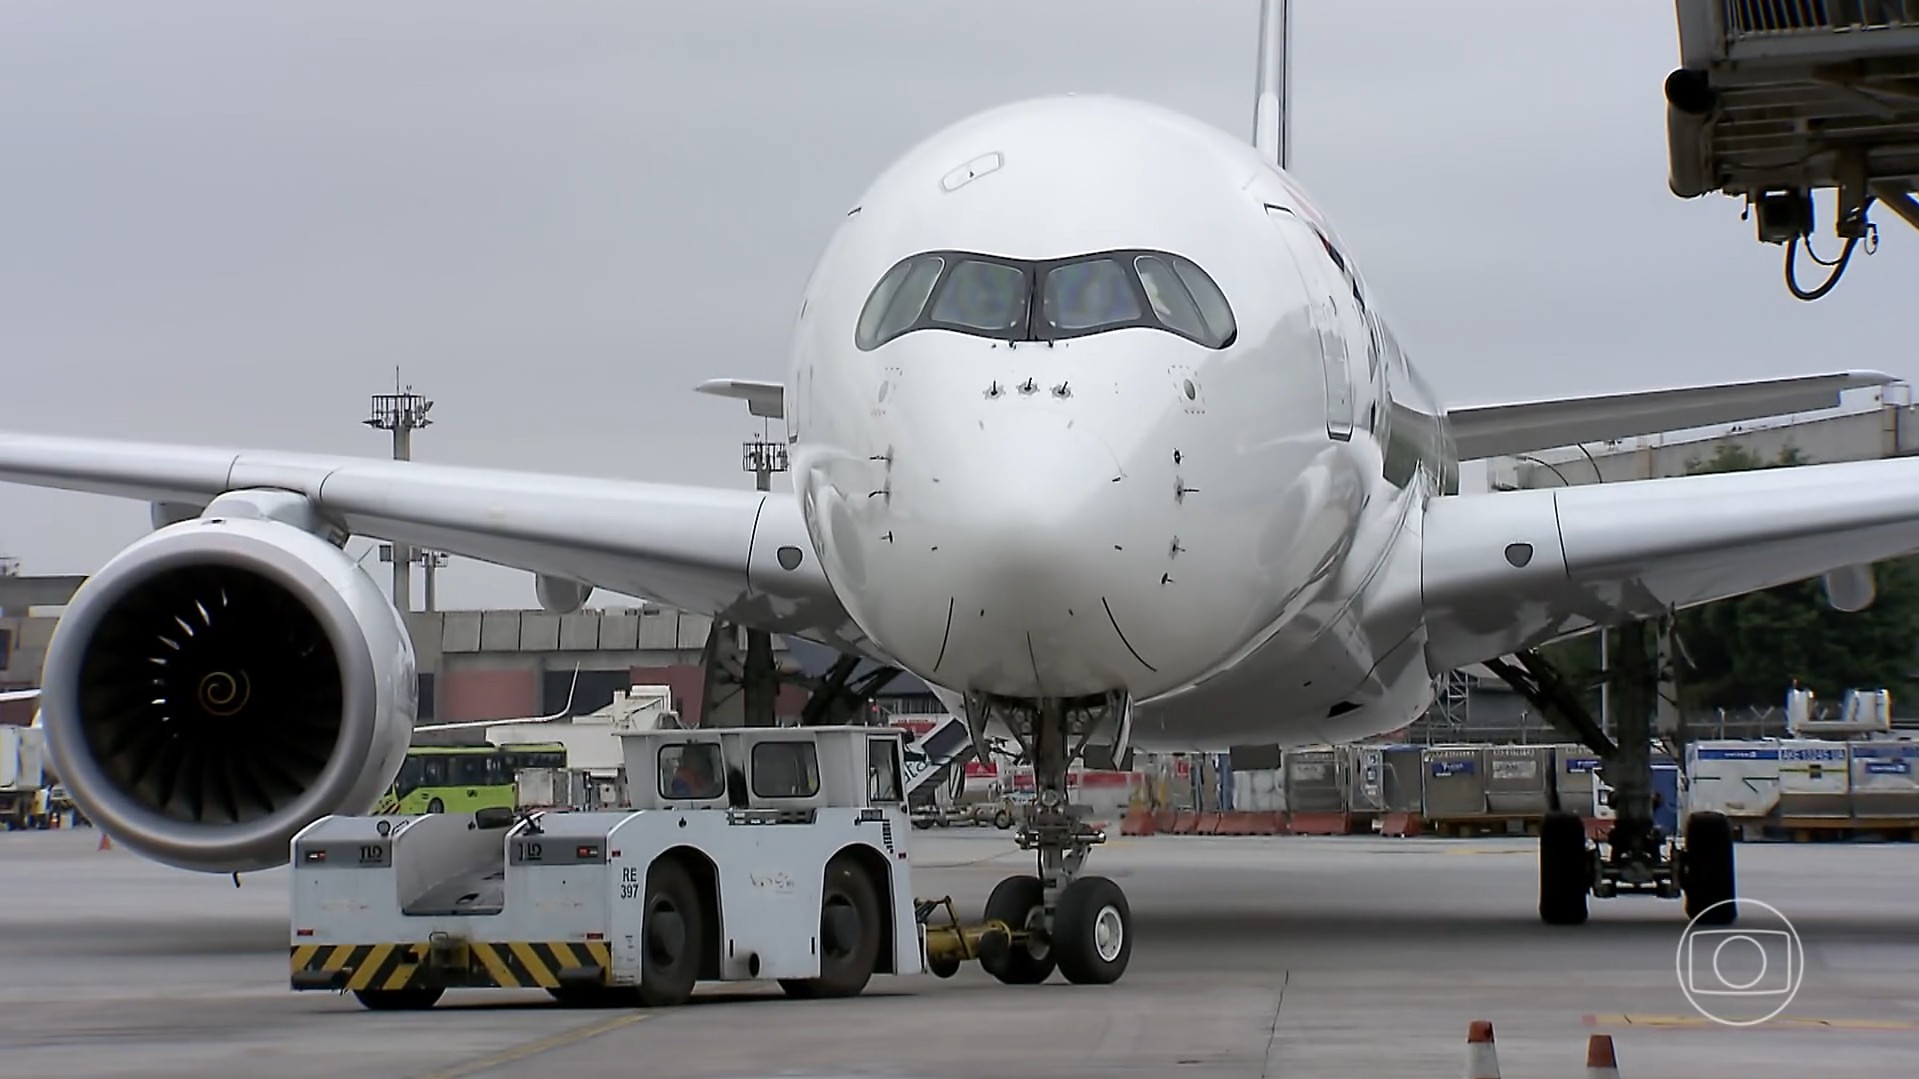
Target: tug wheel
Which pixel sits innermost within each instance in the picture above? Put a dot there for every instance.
(849, 935)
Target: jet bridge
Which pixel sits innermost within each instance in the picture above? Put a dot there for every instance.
(1775, 100)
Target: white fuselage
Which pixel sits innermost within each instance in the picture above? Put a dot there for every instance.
(1227, 534)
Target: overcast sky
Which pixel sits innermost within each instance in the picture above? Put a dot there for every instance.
(226, 222)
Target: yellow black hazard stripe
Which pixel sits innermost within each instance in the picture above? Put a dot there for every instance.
(529, 964)
(472, 964)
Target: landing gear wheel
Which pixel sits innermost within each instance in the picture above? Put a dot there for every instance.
(1565, 869)
(1706, 869)
(398, 1000)
(849, 935)
(1093, 931)
(673, 924)
(1020, 903)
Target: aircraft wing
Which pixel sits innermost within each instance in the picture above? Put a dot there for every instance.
(703, 550)
(1513, 569)
(1496, 430)
(19, 694)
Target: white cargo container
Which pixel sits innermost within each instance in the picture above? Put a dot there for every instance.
(1737, 778)
(1885, 779)
(1814, 779)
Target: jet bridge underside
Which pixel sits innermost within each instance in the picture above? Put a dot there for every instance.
(1775, 100)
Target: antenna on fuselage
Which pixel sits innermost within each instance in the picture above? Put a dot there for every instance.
(1272, 105)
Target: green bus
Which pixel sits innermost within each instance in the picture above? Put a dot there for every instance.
(461, 779)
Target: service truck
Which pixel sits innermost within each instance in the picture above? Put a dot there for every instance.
(23, 798)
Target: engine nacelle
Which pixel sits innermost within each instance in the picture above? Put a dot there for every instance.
(1850, 588)
(221, 684)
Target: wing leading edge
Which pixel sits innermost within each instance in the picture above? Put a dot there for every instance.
(1514, 569)
(1527, 427)
(704, 550)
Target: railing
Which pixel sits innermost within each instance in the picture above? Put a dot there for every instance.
(1756, 18)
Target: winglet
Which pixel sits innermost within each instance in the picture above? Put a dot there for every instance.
(1272, 107)
(764, 399)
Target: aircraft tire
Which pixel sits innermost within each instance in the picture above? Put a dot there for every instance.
(1565, 869)
(1093, 931)
(1706, 870)
(1017, 901)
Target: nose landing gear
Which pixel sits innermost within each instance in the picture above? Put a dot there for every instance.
(1079, 924)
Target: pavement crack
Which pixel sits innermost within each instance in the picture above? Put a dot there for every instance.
(1272, 1032)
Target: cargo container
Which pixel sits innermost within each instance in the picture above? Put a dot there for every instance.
(1665, 796)
(1402, 768)
(1366, 791)
(1737, 778)
(1455, 783)
(1519, 780)
(1314, 783)
(1573, 769)
(1885, 779)
(1814, 779)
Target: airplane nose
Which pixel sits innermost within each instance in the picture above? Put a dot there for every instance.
(1032, 529)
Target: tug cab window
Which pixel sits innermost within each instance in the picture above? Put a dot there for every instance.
(785, 770)
(882, 770)
(691, 770)
(1021, 300)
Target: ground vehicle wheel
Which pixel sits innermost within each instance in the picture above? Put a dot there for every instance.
(398, 1000)
(673, 923)
(1003, 819)
(1093, 931)
(1565, 869)
(436, 806)
(595, 996)
(849, 935)
(1017, 901)
(1706, 874)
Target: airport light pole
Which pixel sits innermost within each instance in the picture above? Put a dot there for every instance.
(402, 412)
(761, 456)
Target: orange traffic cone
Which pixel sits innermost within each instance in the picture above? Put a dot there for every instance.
(106, 842)
(1600, 1061)
(1482, 1060)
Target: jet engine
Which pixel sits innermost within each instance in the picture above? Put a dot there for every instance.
(226, 681)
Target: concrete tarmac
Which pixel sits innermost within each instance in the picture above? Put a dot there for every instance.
(1253, 957)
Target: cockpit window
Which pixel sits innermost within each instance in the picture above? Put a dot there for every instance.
(1167, 293)
(1088, 296)
(1185, 299)
(1019, 300)
(898, 300)
(981, 295)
